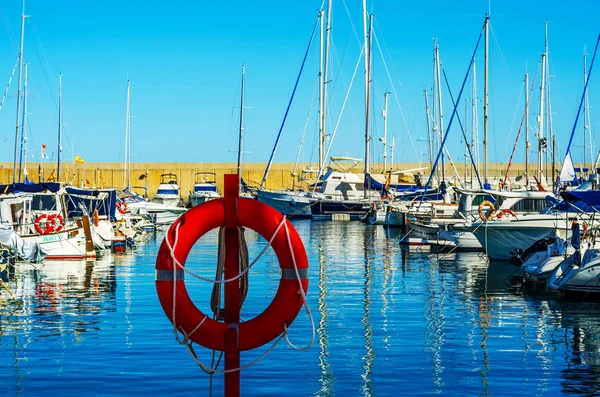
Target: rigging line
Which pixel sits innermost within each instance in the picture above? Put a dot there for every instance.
(305, 128)
(358, 40)
(9, 30)
(499, 50)
(579, 108)
(461, 129)
(51, 89)
(396, 97)
(521, 125)
(453, 114)
(341, 112)
(8, 85)
(512, 123)
(262, 183)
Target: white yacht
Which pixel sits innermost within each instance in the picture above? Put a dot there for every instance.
(168, 191)
(205, 188)
(478, 209)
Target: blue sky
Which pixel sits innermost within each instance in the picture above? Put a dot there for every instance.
(184, 61)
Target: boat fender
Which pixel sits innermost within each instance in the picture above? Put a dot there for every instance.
(96, 218)
(185, 315)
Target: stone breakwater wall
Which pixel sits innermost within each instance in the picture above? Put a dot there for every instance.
(148, 175)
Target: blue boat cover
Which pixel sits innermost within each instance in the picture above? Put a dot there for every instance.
(29, 188)
(89, 198)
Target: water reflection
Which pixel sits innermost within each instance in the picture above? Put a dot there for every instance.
(327, 379)
(369, 356)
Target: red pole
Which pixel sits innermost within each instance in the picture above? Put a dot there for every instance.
(232, 289)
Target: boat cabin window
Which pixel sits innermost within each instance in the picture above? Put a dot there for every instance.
(43, 202)
(530, 205)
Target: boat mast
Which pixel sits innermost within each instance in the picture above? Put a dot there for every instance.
(367, 30)
(59, 157)
(439, 102)
(474, 120)
(385, 112)
(429, 140)
(23, 166)
(526, 130)
(19, 93)
(127, 173)
(586, 115)
(321, 94)
(485, 99)
(325, 81)
(239, 162)
(541, 119)
(548, 119)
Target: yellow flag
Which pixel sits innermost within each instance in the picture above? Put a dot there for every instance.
(78, 159)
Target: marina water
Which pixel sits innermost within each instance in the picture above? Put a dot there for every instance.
(388, 321)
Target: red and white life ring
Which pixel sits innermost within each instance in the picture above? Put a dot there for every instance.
(42, 224)
(57, 222)
(503, 212)
(287, 301)
(122, 207)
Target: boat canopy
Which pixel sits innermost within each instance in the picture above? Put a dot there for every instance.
(105, 201)
(29, 188)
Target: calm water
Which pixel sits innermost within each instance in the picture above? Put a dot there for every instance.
(389, 322)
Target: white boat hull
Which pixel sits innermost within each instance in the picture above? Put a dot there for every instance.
(289, 203)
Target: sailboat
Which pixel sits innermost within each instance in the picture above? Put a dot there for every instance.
(165, 208)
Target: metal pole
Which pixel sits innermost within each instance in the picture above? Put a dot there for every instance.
(59, 156)
(232, 290)
(541, 120)
(239, 163)
(485, 100)
(429, 140)
(325, 82)
(321, 93)
(19, 94)
(526, 130)
(385, 111)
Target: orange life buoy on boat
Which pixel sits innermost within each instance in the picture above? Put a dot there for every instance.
(42, 219)
(122, 207)
(184, 233)
(507, 212)
(96, 218)
(492, 212)
(56, 222)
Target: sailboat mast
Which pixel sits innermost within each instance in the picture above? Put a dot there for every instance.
(19, 94)
(474, 120)
(527, 130)
(367, 33)
(59, 156)
(429, 140)
(23, 167)
(127, 173)
(439, 103)
(325, 81)
(239, 162)
(485, 99)
(541, 118)
(586, 115)
(385, 124)
(321, 93)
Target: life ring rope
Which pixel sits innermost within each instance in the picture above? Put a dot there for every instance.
(177, 274)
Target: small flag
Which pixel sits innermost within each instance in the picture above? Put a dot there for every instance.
(78, 159)
(44, 155)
